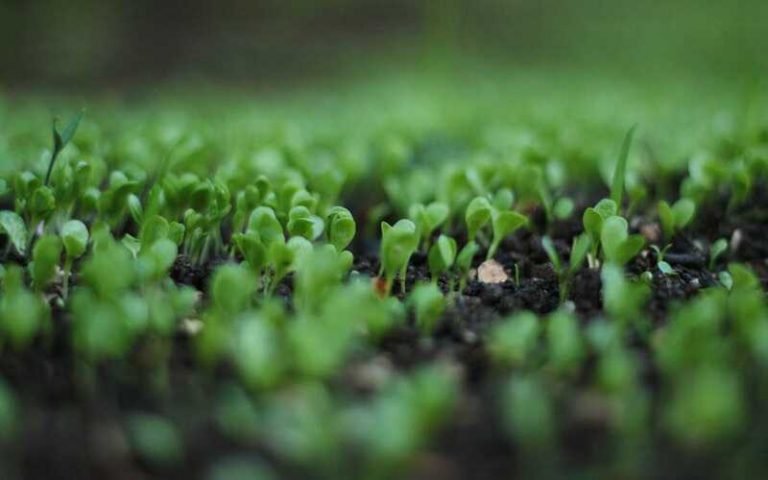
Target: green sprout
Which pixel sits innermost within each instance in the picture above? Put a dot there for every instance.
(464, 262)
(74, 236)
(45, 259)
(341, 227)
(512, 342)
(676, 217)
(504, 224)
(60, 140)
(716, 250)
(428, 219)
(565, 273)
(662, 264)
(428, 304)
(620, 172)
(23, 314)
(618, 245)
(477, 215)
(398, 243)
(441, 256)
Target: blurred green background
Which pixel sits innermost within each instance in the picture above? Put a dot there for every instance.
(113, 44)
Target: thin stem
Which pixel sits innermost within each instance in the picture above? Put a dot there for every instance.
(54, 154)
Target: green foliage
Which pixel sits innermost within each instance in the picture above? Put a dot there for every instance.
(61, 139)
(565, 273)
(504, 224)
(620, 173)
(618, 245)
(428, 219)
(23, 315)
(155, 439)
(428, 305)
(398, 243)
(676, 217)
(441, 256)
(45, 259)
(74, 236)
(14, 228)
(565, 345)
(528, 414)
(341, 227)
(513, 341)
(478, 214)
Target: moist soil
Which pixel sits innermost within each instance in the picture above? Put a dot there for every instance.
(74, 415)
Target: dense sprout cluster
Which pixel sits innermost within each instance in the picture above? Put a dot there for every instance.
(279, 267)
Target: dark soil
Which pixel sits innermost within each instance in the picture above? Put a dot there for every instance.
(74, 416)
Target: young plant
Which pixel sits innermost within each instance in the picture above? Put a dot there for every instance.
(565, 344)
(663, 266)
(528, 413)
(341, 227)
(565, 273)
(428, 219)
(620, 172)
(593, 220)
(464, 262)
(45, 259)
(504, 223)
(513, 340)
(676, 217)
(428, 304)
(60, 140)
(74, 236)
(717, 249)
(622, 298)
(398, 243)
(441, 256)
(618, 245)
(23, 314)
(477, 215)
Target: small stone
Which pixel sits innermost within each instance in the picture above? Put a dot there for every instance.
(736, 239)
(190, 326)
(651, 232)
(491, 271)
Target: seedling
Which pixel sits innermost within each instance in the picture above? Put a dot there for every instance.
(428, 304)
(512, 342)
(428, 219)
(718, 248)
(464, 262)
(504, 224)
(618, 245)
(478, 214)
(441, 256)
(398, 243)
(565, 273)
(60, 140)
(676, 217)
(620, 172)
(23, 314)
(45, 259)
(74, 236)
(661, 264)
(341, 227)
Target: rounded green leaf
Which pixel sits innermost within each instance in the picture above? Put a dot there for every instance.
(74, 235)
(477, 215)
(12, 225)
(341, 227)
